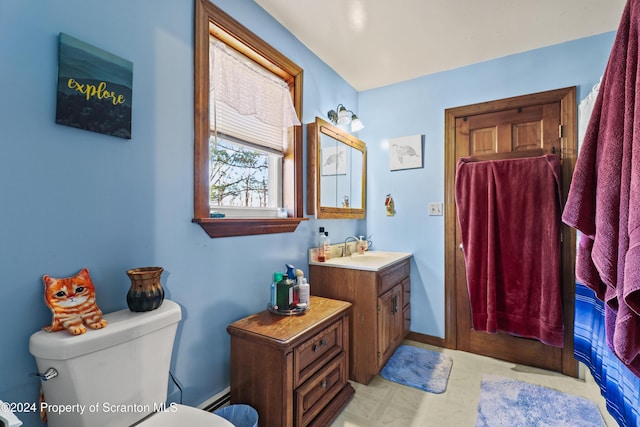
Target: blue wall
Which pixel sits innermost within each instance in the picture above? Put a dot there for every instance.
(417, 107)
(72, 198)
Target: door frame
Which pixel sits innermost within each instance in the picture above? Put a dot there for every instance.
(568, 154)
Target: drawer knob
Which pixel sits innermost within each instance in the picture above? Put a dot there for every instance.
(317, 347)
(324, 384)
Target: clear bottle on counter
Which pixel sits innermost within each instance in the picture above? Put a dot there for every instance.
(321, 241)
(327, 246)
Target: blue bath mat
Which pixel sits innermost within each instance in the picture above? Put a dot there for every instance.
(511, 403)
(419, 368)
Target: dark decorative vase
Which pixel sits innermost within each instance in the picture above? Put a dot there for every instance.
(146, 292)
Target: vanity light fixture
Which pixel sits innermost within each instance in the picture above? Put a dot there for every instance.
(341, 116)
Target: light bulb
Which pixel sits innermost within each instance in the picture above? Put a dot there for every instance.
(356, 124)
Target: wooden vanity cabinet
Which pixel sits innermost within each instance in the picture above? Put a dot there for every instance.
(293, 369)
(381, 313)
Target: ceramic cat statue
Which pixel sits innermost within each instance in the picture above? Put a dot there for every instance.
(72, 301)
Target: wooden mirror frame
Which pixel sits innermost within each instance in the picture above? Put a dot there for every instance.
(314, 132)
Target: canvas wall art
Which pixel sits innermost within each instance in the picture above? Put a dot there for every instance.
(405, 152)
(94, 89)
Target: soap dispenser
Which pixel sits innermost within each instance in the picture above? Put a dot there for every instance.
(361, 245)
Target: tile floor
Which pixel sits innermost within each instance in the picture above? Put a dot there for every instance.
(384, 403)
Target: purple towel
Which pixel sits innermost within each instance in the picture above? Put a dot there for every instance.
(509, 216)
(604, 199)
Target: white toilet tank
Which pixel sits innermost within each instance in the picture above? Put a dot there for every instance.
(108, 377)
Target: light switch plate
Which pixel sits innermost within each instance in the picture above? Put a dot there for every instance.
(435, 209)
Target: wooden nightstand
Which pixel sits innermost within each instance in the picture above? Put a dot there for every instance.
(293, 369)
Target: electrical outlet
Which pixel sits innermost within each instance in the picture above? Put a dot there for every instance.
(435, 209)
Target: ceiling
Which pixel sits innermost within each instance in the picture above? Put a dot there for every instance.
(373, 43)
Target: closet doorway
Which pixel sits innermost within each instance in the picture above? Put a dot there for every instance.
(523, 126)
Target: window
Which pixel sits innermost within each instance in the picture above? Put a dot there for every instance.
(243, 180)
(254, 188)
(250, 112)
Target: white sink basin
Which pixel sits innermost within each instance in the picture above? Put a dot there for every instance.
(370, 260)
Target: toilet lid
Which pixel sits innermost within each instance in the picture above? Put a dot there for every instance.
(180, 415)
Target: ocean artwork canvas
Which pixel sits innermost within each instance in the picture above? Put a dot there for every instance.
(94, 89)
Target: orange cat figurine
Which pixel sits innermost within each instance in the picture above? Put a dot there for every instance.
(72, 301)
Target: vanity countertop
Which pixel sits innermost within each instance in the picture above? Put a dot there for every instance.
(370, 260)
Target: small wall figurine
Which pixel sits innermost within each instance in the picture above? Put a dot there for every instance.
(389, 205)
(72, 301)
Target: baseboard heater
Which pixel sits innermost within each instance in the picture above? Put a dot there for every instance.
(218, 401)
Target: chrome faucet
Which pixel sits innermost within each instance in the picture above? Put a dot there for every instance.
(345, 251)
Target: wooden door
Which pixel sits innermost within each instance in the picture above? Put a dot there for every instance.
(517, 127)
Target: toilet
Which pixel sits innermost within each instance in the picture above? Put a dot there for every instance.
(116, 376)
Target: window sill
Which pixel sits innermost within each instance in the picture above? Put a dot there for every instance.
(228, 227)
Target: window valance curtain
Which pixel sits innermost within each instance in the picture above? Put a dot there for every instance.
(248, 102)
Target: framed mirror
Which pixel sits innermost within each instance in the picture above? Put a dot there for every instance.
(336, 172)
